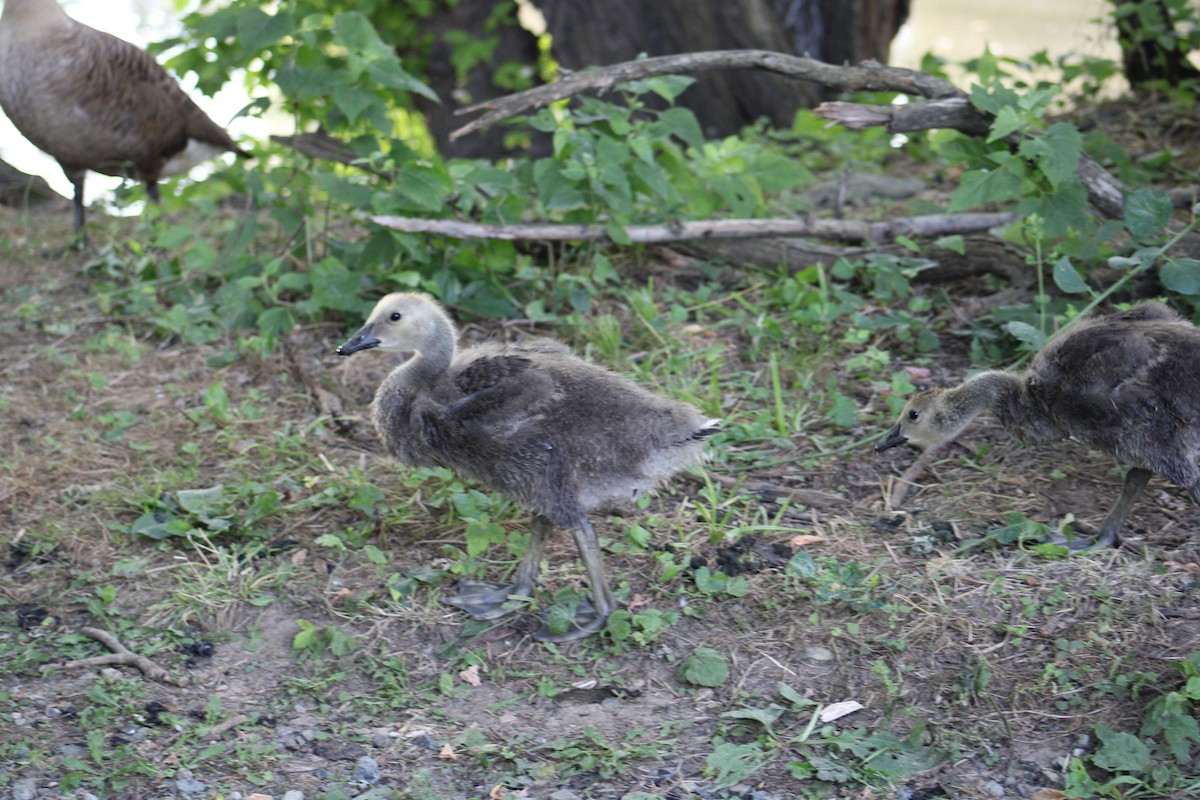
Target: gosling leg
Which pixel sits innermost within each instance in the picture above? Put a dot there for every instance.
(590, 615)
(490, 600)
(80, 233)
(1109, 534)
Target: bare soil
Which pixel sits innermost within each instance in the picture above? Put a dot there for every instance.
(973, 645)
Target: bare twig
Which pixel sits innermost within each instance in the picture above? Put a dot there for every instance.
(123, 656)
(845, 230)
(867, 76)
(232, 722)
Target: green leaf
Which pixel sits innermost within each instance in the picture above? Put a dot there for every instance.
(257, 30)
(1026, 333)
(353, 100)
(1067, 278)
(954, 243)
(1181, 275)
(1062, 211)
(1120, 751)
(980, 187)
(353, 31)
(1056, 153)
(201, 502)
(1007, 121)
(481, 534)
(731, 763)
(425, 188)
(704, 667)
(152, 525)
(1147, 212)
(843, 412)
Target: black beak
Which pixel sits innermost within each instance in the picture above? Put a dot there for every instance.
(363, 340)
(893, 439)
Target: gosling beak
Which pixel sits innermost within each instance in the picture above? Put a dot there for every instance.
(892, 439)
(363, 340)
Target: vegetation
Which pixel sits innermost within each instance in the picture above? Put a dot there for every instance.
(224, 517)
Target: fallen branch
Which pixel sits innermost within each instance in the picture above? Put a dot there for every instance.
(122, 656)
(845, 230)
(1105, 192)
(867, 76)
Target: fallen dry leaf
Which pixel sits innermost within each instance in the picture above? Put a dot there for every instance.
(838, 710)
(340, 595)
(447, 753)
(260, 796)
(637, 601)
(471, 675)
(918, 373)
(1048, 794)
(805, 539)
(299, 557)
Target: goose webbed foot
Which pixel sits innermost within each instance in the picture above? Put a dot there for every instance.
(1109, 534)
(587, 620)
(486, 599)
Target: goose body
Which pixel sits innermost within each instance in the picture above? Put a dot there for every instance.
(556, 434)
(1126, 383)
(96, 102)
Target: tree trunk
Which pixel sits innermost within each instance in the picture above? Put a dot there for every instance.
(597, 32)
(1142, 29)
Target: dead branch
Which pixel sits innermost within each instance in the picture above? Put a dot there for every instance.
(123, 656)
(867, 76)
(845, 230)
(1105, 192)
(320, 144)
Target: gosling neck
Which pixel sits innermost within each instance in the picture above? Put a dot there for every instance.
(994, 390)
(34, 13)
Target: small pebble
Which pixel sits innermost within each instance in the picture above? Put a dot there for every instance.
(818, 653)
(293, 794)
(564, 794)
(72, 751)
(380, 740)
(994, 789)
(185, 783)
(25, 789)
(366, 771)
(111, 674)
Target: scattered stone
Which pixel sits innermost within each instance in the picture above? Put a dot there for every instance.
(994, 788)
(818, 653)
(293, 794)
(72, 751)
(366, 771)
(380, 740)
(25, 789)
(564, 794)
(111, 674)
(424, 740)
(185, 783)
(340, 751)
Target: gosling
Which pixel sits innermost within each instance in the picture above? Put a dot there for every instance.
(554, 433)
(1127, 384)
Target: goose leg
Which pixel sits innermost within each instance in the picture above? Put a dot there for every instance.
(489, 599)
(590, 615)
(1109, 534)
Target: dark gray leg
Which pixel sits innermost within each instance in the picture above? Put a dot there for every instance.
(1109, 534)
(488, 599)
(590, 616)
(80, 231)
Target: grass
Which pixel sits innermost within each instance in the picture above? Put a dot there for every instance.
(189, 495)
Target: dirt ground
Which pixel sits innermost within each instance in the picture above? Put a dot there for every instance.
(995, 651)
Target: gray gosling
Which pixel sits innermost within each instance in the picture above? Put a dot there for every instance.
(554, 433)
(1127, 384)
(96, 102)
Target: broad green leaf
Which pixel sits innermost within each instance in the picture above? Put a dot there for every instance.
(980, 187)
(1026, 333)
(704, 667)
(257, 30)
(1181, 275)
(1147, 212)
(388, 72)
(353, 31)
(682, 123)
(1120, 751)
(1067, 278)
(556, 191)
(353, 100)
(200, 502)
(1007, 121)
(1056, 153)
(424, 187)
(993, 100)
(1063, 211)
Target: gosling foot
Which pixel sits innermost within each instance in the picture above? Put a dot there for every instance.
(1088, 539)
(587, 620)
(485, 599)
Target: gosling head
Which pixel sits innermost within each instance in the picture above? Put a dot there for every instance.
(924, 422)
(400, 322)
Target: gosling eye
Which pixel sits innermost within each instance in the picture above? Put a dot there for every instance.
(914, 415)
(395, 317)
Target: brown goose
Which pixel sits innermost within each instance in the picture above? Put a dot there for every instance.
(95, 102)
(1127, 384)
(532, 421)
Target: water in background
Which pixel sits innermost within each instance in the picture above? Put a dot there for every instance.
(953, 29)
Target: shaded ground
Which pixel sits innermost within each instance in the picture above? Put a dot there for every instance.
(1000, 660)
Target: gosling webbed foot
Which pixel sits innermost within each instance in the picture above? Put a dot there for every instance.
(485, 599)
(587, 620)
(1088, 540)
